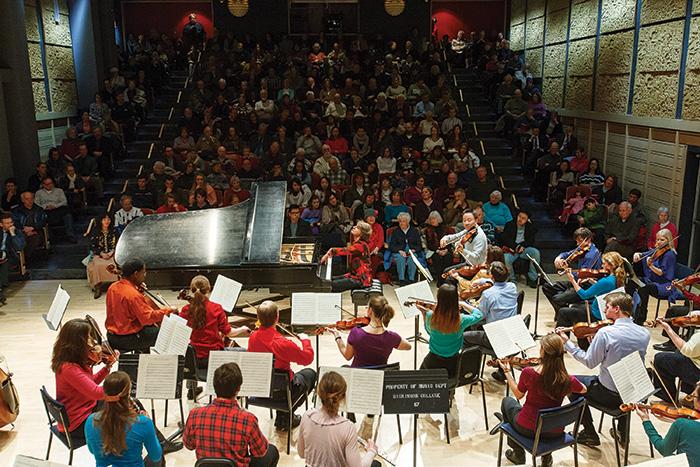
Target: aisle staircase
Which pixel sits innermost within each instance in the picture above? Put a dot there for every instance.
(64, 260)
(480, 118)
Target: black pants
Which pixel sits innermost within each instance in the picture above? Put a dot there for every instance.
(141, 342)
(626, 251)
(571, 315)
(270, 459)
(438, 264)
(602, 396)
(640, 314)
(560, 294)
(61, 216)
(303, 382)
(510, 408)
(672, 365)
(433, 361)
(342, 283)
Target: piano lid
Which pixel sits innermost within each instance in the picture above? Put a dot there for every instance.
(247, 233)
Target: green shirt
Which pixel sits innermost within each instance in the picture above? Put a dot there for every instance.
(682, 437)
(448, 345)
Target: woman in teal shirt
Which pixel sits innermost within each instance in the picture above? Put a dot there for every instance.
(117, 434)
(445, 324)
(577, 313)
(682, 437)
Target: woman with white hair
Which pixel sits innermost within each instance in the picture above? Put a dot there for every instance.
(359, 274)
(403, 239)
(496, 211)
(663, 222)
(658, 271)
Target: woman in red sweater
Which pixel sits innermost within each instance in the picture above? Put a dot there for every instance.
(75, 354)
(359, 274)
(338, 144)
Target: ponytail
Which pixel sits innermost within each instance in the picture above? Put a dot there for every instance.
(200, 288)
(615, 260)
(331, 390)
(381, 309)
(116, 414)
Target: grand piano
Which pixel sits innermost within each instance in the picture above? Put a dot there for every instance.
(242, 242)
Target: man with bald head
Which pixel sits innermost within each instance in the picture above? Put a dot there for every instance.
(268, 339)
(622, 231)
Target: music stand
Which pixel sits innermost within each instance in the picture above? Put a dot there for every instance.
(541, 276)
(417, 336)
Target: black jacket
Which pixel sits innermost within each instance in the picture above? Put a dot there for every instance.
(303, 229)
(510, 232)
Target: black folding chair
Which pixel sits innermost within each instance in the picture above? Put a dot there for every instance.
(56, 413)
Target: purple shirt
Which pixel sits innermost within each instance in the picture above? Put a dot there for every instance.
(372, 349)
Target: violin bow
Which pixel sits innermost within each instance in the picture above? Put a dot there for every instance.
(343, 310)
(663, 385)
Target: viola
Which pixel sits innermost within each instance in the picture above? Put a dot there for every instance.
(517, 362)
(103, 352)
(475, 291)
(465, 271)
(185, 295)
(424, 303)
(664, 410)
(583, 330)
(679, 321)
(345, 324)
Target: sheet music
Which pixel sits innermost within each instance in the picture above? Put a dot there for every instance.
(27, 461)
(157, 376)
(631, 379)
(364, 389)
(256, 369)
(418, 290)
(315, 308)
(540, 271)
(226, 292)
(58, 308)
(420, 267)
(678, 460)
(601, 300)
(509, 336)
(173, 336)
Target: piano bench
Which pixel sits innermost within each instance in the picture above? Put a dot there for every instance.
(360, 297)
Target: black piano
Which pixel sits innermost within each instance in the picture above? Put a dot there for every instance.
(242, 242)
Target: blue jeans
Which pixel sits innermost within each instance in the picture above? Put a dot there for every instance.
(401, 263)
(532, 272)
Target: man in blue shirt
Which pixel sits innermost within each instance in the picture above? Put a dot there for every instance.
(11, 242)
(496, 303)
(562, 293)
(609, 345)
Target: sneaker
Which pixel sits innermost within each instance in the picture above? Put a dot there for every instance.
(517, 459)
(532, 284)
(588, 438)
(170, 446)
(619, 438)
(665, 347)
(499, 376)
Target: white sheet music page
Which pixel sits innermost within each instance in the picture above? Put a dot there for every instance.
(165, 332)
(216, 359)
(226, 292)
(364, 389)
(57, 309)
(509, 336)
(303, 308)
(157, 376)
(678, 460)
(173, 336)
(408, 292)
(328, 308)
(315, 308)
(631, 379)
(27, 461)
(601, 300)
(256, 368)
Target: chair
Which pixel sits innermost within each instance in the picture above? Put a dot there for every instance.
(191, 371)
(56, 413)
(467, 374)
(214, 462)
(282, 388)
(547, 420)
(361, 297)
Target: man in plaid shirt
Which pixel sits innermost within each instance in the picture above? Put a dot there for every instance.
(223, 429)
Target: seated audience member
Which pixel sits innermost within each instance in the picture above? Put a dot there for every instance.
(69, 145)
(572, 206)
(11, 243)
(518, 239)
(422, 208)
(294, 226)
(31, 219)
(298, 193)
(312, 215)
(622, 231)
(439, 257)
(55, 204)
(142, 195)
(609, 193)
(217, 179)
(608, 346)
(579, 163)
(127, 213)
(376, 241)
(405, 237)
(633, 198)
(268, 339)
(171, 205)
(487, 227)
(102, 246)
(545, 385)
(662, 222)
(592, 217)
(592, 175)
(223, 429)
(328, 439)
(483, 186)
(456, 206)
(335, 220)
(55, 164)
(132, 318)
(10, 197)
(201, 184)
(35, 181)
(496, 211)
(169, 187)
(87, 168)
(394, 208)
(200, 200)
(235, 189)
(101, 148)
(359, 274)
(74, 188)
(117, 434)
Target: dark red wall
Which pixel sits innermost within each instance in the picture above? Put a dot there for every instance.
(469, 16)
(164, 16)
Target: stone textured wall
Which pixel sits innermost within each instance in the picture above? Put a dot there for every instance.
(58, 53)
(517, 36)
(535, 32)
(614, 65)
(583, 18)
(533, 57)
(655, 10)
(557, 24)
(617, 14)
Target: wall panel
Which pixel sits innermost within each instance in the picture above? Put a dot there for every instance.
(617, 14)
(655, 10)
(557, 24)
(535, 32)
(553, 91)
(584, 18)
(517, 11)
(533, 57)
(517, 37)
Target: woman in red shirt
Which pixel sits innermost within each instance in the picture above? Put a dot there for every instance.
(359, 274)
(546, 385)
(338, 144)
(75, 353)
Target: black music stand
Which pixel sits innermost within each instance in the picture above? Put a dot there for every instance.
(417, 336)
(541, 276)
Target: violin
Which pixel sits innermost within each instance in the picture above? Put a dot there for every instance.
(185, 295)
(517, 362)
(578, 253)
(679, 321)
(344, 325)
(475, 291)
(688, 281)
(469, 236)
(424, 303)
(664, 410)
(583, 330)
(465, 271)
(588, 273)
(102, 352)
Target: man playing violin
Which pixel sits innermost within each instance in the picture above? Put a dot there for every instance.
(131, 316)
(562, 293)
(471, 242)
(659, 270)
(608, 346)
(683, 363)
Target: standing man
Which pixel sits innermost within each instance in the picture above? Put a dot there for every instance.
(193, 33)
(11, 242)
